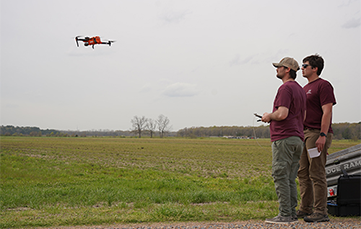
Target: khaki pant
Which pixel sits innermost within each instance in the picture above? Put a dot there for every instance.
(312, 175)
(285, 163)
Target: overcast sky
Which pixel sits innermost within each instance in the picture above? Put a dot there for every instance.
(198, 62)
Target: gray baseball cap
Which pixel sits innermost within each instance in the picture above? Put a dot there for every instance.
(289, 63)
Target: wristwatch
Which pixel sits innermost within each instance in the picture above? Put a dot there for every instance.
(323, 134)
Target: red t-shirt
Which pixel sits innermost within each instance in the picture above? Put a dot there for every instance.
(292, 96)
(319, 93)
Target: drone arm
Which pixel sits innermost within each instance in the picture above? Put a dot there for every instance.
(105, 43)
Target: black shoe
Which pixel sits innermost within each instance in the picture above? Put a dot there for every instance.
(301, 214)
(316, 217)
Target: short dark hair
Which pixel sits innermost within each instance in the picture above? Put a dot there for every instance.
(315, 61)
(293, 74)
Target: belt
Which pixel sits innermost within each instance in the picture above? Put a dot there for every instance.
(307, 128)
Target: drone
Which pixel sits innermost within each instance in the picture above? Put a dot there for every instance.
(92, 41)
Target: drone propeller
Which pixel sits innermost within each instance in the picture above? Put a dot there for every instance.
(76, 39)
(110, 42)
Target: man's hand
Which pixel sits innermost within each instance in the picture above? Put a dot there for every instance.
(320, 143)
(266, 117)
(280, 114)
(325, 124)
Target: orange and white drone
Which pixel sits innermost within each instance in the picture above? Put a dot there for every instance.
(92, 41)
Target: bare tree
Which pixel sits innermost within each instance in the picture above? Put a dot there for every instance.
(151, 126)
(138, 124)
(163, 123)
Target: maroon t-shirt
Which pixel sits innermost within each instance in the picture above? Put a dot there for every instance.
(292, 96)
(319, 93)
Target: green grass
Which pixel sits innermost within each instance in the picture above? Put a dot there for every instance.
(92, 181)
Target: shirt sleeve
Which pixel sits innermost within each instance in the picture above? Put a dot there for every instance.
(326, 94)
(284, 97)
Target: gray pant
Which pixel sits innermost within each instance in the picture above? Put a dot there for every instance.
(286, 154)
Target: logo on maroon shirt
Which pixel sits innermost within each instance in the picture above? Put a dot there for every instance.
(309, 92)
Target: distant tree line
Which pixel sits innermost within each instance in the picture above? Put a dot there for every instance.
(99, 133)
(28, 131)
(225, 131)
(341, 131)
(37, 132)
(151, 127)
(347, 131)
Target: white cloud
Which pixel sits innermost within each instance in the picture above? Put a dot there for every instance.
(146, 88)
(180, 90)
(236, 60)
(353, 23)
(174, 16)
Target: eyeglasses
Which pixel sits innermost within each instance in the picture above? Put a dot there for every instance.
(305, 65)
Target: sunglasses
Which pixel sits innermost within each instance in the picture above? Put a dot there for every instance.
(305, 65)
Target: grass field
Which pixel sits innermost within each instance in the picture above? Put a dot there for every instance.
(91, 181)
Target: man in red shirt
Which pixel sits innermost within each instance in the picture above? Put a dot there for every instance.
(286, 130)
(318, 134)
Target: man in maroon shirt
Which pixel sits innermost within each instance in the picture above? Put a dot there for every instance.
(318, 134)
(286, 130)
